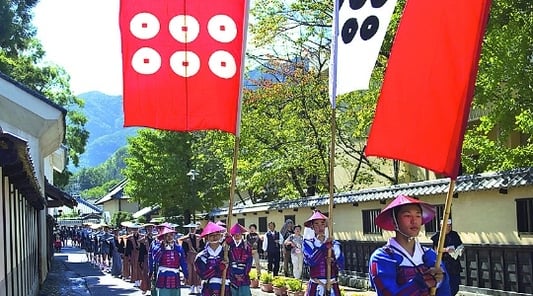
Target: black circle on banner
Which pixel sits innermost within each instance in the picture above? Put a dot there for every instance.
(369, 27)
(357, 4)
(349, 29)
(377, 3)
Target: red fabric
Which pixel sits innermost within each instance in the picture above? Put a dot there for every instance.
(428, 88)
(200, 99)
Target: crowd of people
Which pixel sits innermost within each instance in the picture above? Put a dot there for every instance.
(212, 259)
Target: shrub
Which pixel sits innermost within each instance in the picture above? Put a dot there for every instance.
(279, 282)
(266, 278)
(253, 274)
(294, 285)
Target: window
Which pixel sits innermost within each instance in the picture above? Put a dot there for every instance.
(262, 224)
(524, 215)
(369, 225)
(434, 225)
(292, 217)
(240, 221)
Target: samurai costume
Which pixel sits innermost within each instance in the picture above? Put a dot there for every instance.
(394, 272)
(315, 256)
(209, 266)
(167, 261)
(240, 263)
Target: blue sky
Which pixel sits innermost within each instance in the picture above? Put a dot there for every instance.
(83, 37)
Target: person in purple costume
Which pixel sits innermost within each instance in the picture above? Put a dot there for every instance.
(315, 248)
(168, 263)
(240, 261)
(210, 263)
(403, 266)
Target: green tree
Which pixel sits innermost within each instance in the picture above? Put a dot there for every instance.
(285, 134)
(119, 217)
(15, 21)
(300, 31)
(157, 167)
(504, 91)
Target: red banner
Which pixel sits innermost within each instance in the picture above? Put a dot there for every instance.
(428, 88)
(182, 63)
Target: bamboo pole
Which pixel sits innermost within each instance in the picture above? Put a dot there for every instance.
(331, 199)
(442, 235)
(230, 211)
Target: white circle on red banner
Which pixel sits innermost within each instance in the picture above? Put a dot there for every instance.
(222, 28)
(185, 63)
(184, 28)
(144, 25)
(222, 64)
(146, 60)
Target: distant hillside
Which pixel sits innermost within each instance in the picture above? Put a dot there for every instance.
(106, 127)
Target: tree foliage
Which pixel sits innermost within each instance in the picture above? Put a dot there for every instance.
(119, 217)
(285, 134)
(504, 92)
(291, 32)
(157, 169)
(15, 20)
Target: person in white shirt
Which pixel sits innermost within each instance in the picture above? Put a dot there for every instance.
(272, 246)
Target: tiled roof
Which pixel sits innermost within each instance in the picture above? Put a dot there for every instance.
(146, 211)
(477, 182)
(83, 202)
(61, 197)
(116, 192)
(16, 162)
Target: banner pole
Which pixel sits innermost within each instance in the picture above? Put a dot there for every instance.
(331, 199)
(442, 234)
(230, 211)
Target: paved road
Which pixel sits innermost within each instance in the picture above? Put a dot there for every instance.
(72, 275)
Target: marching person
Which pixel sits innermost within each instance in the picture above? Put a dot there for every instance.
(116, 250)
(168, 258)
(254, 240)
(156, 244)
(240, 261)
(135, 245)
(296, 240)
(316, 246)
(287, 230)
(403, 266)
(453, 249)
(144, 254)
(192, 243)
(210, 262)
(272, 246)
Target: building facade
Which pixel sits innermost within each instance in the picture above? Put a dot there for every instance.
(32, 129)
(492, 212)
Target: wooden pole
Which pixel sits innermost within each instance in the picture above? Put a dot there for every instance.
(442, 235)
(230, 211)
(331, 199)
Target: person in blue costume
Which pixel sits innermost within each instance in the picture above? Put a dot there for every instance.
(403, 266)
(315, 248)
(210, 262)
(240, 261)
(168, 264)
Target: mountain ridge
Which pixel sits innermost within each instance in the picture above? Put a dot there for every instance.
(105, 123)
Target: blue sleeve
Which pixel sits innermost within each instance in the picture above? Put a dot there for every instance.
(430, 257)
(183, 262)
